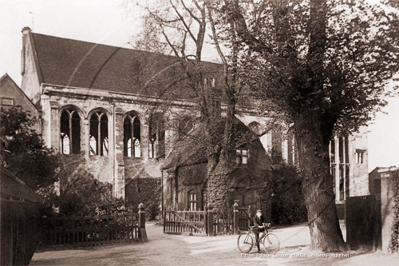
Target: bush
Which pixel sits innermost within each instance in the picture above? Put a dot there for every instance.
(288, 204)
(78, 193)
(147, 191)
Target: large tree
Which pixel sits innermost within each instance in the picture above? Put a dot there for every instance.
(323, 65)
(184, 29)
(23, 151)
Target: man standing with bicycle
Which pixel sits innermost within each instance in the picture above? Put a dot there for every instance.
(258, 226)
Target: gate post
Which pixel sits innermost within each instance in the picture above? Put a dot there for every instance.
(235, 218)
(141, 215)
(210, 220)
(141, 229)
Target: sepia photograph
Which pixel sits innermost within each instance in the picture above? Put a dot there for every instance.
(199, 132)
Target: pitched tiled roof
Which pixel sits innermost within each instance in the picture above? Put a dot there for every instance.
(192, 149)
(75, 63)
(12, 186)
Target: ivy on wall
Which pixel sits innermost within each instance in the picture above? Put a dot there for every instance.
(394, 242)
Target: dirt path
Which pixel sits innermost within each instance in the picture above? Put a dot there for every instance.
(164, 249)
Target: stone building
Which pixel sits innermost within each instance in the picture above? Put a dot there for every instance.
(185, 171)
(12, 96)
(100, 104)
(117, 111)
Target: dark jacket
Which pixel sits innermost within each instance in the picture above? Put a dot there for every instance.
(259, 222)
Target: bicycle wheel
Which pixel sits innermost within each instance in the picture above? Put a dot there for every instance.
(245, 242)
(271, 243)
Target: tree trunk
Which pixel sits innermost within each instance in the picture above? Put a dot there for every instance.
(317, 186)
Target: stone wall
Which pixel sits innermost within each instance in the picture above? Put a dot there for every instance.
(30, 81)
(388, 195)
(359, 185)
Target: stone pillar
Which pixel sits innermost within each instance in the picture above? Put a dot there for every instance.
(144, 128)
(388, 195)
(171, 133)
(142, 232)
(85, 138)
(54, 125)
(46, 121)
(141, 215)
(168, 188)
(235, 218)
(118, 151)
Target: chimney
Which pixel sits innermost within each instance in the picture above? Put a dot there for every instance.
(25, 32)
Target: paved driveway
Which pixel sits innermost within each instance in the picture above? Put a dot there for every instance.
(164, 249)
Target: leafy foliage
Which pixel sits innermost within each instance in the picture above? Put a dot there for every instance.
(77, 192)
(25, 153)
(146, 191)
(332, 60)
(288, 204)
(322, 67)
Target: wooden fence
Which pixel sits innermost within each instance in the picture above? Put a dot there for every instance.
(210, 222)
(95, 230)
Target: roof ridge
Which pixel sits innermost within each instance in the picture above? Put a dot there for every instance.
(115, 46)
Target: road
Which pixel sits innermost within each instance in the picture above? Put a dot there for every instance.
(162, 249)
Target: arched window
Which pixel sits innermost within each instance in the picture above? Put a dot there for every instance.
(131, 137)
(70, 132)
(99, 134)
(157, 136)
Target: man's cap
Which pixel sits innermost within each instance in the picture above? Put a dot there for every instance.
(258, 211)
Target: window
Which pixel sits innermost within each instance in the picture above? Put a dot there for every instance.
(291, 149)
(131, 137)
(211, 82)
(332, 162)
(340, 167)
(242, 156)
(360, 156)
(157, 136)
(99, 134)
(192, 203)
(70, 132)
(276, 139)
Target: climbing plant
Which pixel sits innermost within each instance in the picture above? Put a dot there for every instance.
(394, 242)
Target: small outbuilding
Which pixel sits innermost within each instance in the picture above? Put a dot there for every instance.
(20, 231)
(185, 171)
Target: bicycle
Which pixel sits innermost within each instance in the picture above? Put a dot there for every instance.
(270, 241)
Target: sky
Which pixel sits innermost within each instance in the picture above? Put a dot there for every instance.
(107, 22)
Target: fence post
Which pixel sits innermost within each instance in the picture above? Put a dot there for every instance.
(210, 220)
(141, 215)
(235, 218)
(141, 229)
(206, 218)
